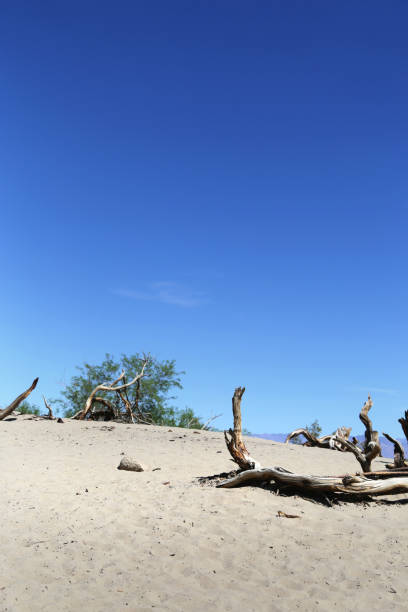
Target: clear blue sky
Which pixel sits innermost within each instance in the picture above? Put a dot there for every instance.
(222, 183)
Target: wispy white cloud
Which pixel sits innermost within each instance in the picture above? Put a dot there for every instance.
(166, 292)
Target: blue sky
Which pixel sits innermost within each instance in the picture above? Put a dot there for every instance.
(220, 183)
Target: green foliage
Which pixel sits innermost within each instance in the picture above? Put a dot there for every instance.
(151, 397)
(27, 408)
(314, 428)
(186, 418)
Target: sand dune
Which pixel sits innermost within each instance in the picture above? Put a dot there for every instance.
(76, 533)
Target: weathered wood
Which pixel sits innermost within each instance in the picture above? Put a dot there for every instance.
(107, 413)
(48, 407)
(328, 441)
(81, 415)
(389, 473)
(320, 484)
(7, 411)
(371, 447)
(399, 456)
(128, 406)
(234, 442)
(403, 421)
(319, 442)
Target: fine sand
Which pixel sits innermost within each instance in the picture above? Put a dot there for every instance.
(78, 534)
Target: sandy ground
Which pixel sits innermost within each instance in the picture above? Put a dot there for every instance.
(78, 534)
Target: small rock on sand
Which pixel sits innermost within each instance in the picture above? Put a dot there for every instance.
(130, 464)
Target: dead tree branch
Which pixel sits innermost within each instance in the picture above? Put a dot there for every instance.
(328, 441)
(48, 407)
(210, 420)
(399, 456)
(367, 483)
(403, 421)
(123, 396)
(7, 411)
(234, 442)
(109, 387)
(371, 447)
(320, 484)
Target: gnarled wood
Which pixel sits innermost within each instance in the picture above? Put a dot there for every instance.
(81, 415)
(7, 411)
(234, 442)
(399, 456)
(107, 414)
(328, 441)
(371, 447)
(371, 437)
(48, 407)
(320, 484)
(403, 421)
(123, 396)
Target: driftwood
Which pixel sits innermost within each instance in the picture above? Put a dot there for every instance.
(367, 483)
(371, 447)
(233, 438)
(82, 414)
(48, 407)
(328, 441)
(340, 439)
(399, 456)
(403, 421)
(371, 437)
(7, 411)
(320, 484)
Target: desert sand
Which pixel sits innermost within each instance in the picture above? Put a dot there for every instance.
(78, 534)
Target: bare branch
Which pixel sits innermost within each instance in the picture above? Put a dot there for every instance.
(127, 404)
(210, 420)
(403, 421)
(319, 442)
(399, 457)
(328, 441)
(7, 411)
(235, 443)
(48, 407)
(109, 387)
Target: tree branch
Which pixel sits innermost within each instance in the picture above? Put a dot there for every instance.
(7, 411)
(48, 407)
(399, 456)
(235, 443)
(109, 387)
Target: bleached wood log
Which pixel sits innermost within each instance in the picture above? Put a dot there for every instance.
(320, 484)
(233, 438)
(7, 411)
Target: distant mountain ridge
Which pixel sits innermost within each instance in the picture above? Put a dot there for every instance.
(387, 447)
